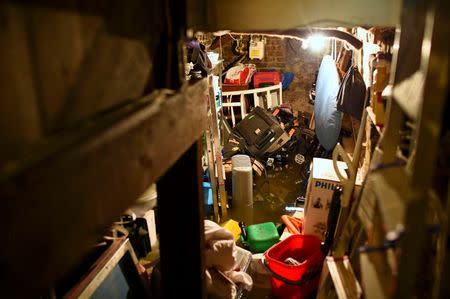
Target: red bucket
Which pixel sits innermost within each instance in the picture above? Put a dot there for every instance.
(295, 281)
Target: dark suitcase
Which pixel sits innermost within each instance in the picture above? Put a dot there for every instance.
(261, 132)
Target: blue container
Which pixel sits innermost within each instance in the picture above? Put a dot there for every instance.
(207, 193)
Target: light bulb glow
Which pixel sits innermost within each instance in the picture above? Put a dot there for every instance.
(315, 42)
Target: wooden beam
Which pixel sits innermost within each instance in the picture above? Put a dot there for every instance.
(406, 58)
(57, 42)
(81, 66)
(181, 225)
(58, 207)
(305, 33)
(64, 65)
(20, 122)
(101, 84)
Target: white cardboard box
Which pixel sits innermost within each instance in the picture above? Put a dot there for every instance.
(322, 182)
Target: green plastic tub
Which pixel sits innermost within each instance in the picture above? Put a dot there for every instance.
(261, 237)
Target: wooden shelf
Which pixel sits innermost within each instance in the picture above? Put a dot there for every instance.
(68, 197)
(408, 94)
(389, 187)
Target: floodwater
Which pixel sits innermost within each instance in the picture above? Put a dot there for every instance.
(274, 191)
(281, 186)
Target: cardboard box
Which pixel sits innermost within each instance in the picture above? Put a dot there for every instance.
(322, 182)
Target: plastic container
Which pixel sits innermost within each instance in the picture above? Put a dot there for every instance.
(261, 237)
(242, 188)
(295, 281)
(233, 227)
(208, 200)
(207, 193)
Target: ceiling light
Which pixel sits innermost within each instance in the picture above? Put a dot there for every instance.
(315, 42)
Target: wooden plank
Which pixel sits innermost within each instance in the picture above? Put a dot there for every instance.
(344, 280)
(212, 171)
(251, 91)
(372, 118)
(66, 62)
(280, 99)
(55, 210)
(338, 280)
(233, 118)
(180, 207)
(59, 41)
(376, 275)
(444, 287)
(408, 43)
(243, 108)
(217, 151)
(83, 57)
(269, 99)
(20, 120)
(435, 67)
(256, 99)
(101, 84)
(434, 64)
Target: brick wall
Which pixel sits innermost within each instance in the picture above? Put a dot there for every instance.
(284, 55)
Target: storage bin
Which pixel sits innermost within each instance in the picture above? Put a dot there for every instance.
(291, 281)
(261, 236)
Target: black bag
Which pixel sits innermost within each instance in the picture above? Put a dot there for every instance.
(333, 217)
(234, 144)
(352, 93)
(197, 55)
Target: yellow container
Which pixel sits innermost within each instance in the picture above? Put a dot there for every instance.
(233, 227)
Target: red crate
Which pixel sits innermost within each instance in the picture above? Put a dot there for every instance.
(262, 79)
